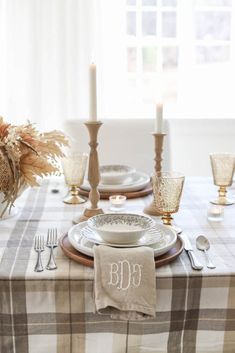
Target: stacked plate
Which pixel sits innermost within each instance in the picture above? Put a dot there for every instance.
(120, 178)
(121, 231)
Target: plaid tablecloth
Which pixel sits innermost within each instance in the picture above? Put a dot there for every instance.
(54, 311)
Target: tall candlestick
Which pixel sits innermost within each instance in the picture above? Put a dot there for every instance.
(159, 118)
(93, 174)
(93, 103)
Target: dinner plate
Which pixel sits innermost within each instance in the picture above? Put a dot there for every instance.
(135, 183)
(85, 260)
(154, 235)
(85, 246)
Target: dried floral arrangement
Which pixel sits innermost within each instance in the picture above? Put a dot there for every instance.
(26, 154)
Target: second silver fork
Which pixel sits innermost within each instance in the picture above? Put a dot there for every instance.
(52, 242)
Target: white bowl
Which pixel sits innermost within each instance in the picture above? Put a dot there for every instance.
(121, 228)
(115, 174)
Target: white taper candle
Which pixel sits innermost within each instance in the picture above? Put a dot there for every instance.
(159, 118)
(93, 99)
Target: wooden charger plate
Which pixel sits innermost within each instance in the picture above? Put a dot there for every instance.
(129, 194)
(77, 256)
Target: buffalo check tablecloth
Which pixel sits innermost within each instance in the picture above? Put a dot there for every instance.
(53, 311)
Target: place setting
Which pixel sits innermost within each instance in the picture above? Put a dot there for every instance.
(121, 231)
(122, 179)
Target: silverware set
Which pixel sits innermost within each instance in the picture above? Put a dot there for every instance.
(39, 247)
(202, 244)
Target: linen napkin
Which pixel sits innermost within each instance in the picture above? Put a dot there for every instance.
(124, 285)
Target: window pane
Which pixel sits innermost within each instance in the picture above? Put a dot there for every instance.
(212, 2)
(131, 2)
(149, 59)
(149, 90)
(149, 2)
(169, 2)
(205, 54)
(170, 58)
(131, 59)
(212, 25)
(131, 23)
(169, 24)
(149, 21)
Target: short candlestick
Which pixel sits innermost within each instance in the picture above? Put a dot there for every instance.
(158, 148)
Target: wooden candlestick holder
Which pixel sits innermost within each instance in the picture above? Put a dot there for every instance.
(158, 143)
(93, 173)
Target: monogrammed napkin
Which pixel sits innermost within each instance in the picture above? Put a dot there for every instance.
(124, 285)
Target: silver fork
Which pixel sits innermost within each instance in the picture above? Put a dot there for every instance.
(52, 242)
(39, 248)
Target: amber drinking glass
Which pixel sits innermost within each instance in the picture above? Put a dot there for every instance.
(74, 168)
(167, 190)
(222, 165)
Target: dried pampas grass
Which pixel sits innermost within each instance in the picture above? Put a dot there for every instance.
(26, 154)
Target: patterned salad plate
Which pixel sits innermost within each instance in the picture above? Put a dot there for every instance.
(161, 239)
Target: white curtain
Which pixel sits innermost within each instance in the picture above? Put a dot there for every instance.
(46, 47)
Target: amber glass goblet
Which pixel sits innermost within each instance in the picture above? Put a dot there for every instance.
(222, 165)
(167, 190)
(74, 168)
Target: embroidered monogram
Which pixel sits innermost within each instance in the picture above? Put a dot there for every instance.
(123, 275)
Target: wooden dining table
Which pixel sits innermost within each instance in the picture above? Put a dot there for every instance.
(54, 312)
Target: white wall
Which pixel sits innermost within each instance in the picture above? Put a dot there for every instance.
(192, 140)
(125, 141)
(186, 149)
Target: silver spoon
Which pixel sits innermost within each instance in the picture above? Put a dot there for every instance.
(203, 244)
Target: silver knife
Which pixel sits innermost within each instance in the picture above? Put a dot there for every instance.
(189, 249)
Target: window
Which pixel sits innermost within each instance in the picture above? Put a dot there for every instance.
(179, 51)
(212, 30)
(152, 45)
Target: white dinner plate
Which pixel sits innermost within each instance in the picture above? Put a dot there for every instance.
(135, 183)
(85, 246)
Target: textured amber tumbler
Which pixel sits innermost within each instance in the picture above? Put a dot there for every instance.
(222, 165)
